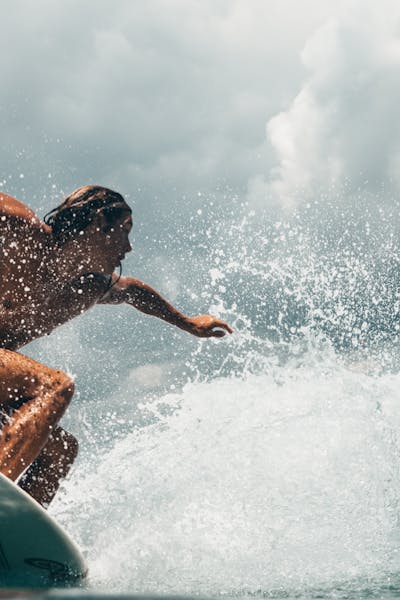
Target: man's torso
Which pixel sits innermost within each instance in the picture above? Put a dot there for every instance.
(33, 301)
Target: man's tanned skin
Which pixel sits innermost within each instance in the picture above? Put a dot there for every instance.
(49, 274)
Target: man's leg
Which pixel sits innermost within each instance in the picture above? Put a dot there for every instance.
(43, 477)
(33, 398)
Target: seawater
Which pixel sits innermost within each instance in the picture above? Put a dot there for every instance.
(275, 481)
(271, 468)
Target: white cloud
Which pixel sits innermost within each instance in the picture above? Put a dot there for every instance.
(342, 127)
(150, 94)
(172, 97)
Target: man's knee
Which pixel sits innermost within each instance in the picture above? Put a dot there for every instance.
(61, 384)
(68, 386)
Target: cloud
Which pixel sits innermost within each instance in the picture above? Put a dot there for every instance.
(158, 95)
(342, 127)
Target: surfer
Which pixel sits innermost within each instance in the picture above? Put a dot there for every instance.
(51, 272)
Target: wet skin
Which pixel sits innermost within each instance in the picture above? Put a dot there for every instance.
(43, 285)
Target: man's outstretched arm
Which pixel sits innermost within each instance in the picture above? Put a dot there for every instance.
(143, 297)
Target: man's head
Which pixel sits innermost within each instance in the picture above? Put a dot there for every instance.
(96, 220)
(81, 207)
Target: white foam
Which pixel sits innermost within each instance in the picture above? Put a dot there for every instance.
(277, 480)
(280, 471)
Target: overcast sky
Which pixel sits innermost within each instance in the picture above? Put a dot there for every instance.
(165, 98)
(176, 102)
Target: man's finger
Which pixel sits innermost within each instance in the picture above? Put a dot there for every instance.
(217, 331)
(223, 325)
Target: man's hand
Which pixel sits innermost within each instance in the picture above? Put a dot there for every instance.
(207, 326)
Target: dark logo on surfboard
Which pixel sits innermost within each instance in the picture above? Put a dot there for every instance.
(56, 570)
(4, 564)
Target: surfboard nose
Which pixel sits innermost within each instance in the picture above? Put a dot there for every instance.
(35, 551)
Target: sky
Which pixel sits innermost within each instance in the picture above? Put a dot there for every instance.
(168, 99)
(203, 113)
(243, 105)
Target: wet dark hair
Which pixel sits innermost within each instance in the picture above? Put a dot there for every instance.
(80, 208)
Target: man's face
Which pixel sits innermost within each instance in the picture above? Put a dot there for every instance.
(109, 243)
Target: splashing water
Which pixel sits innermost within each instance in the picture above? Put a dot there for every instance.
(276, 467)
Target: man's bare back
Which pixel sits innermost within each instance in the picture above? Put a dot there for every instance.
(50, 273)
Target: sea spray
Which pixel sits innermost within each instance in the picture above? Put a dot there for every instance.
(288, 478)
(266, 461)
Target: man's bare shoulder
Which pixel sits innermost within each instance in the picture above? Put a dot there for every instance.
(11, 207)
(17, 213)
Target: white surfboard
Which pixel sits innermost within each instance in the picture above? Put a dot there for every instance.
(34, 550)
